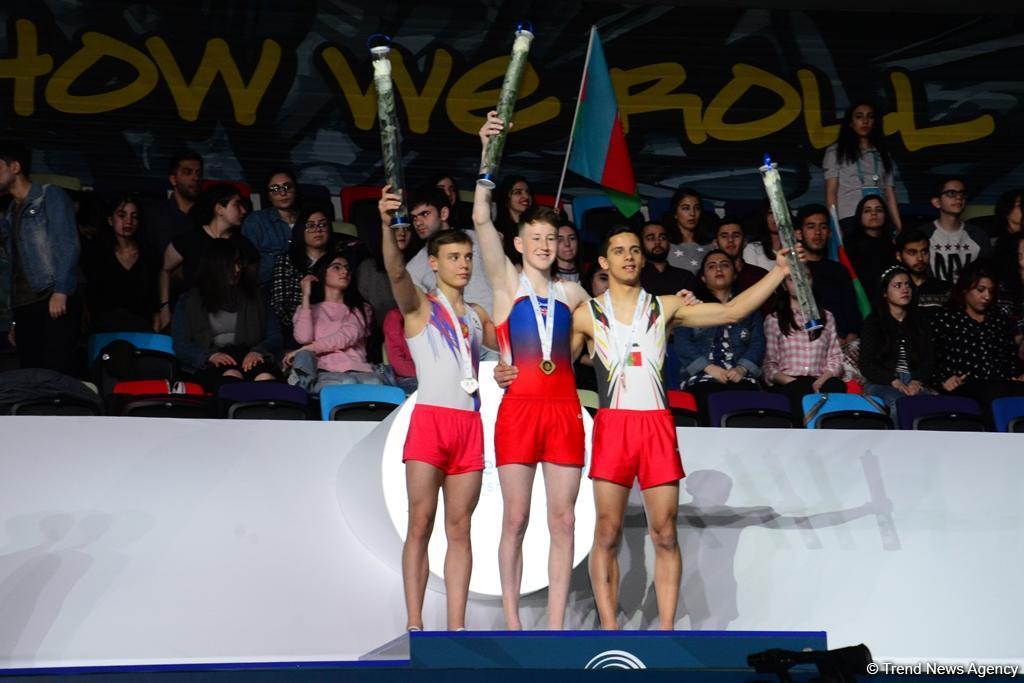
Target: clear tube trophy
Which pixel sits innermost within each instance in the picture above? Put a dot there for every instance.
(390, 134)
(506, 106)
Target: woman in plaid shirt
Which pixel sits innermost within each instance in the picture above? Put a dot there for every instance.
(311, 240)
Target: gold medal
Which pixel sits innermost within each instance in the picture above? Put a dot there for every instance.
(547, 366)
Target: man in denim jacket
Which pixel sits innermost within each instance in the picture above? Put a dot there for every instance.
(41, 240)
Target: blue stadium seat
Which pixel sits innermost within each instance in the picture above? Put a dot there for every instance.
(759, 409)
(359, 402)
(844, 411)
(1009, 414)
(940, 413)
(141, 340)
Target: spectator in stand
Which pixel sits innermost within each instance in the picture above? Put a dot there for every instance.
(859, 165)
(511, 199)
(567, 259)
(41, 240)
(222, 330)
(372, 280)
(270, 229)
(912, 252)
(168, 218)
(730, 239)
(219, 212)
(332, 331)
(687, 230)
(977, 356)
(1010, 298)
(121, 275)
(311, 240)
(657, 276)
(797, 363)
(765, 231)
(896, 349)
(832, 284)
(399, 356)
(595, 281)
(869, 242)
(954, 245)
(723, 358)
(1007, 219)
(457, 216)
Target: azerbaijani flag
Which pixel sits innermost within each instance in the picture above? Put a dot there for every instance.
(837, 252)
(599, 151)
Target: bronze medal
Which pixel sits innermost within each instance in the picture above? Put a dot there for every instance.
(547, 366)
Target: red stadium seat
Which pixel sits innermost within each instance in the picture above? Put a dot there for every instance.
(243, 189)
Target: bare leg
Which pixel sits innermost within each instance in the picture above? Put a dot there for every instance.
(662, 505)
(516, 491)
(422, 482)
(461, 493)
(610, 500)
(561, 486)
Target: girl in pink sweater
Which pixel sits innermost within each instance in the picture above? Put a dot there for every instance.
(332, 332)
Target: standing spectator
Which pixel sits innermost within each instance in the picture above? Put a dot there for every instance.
(511, 198)
(954, 245)
(723, 358)
(896, 349)
(270, 229)
(219, 212)
(795, 362)
(869, 242)
(977, 356)
(567, 258)
(311, 240)
(912, 252)
(169, 218)
(332, 331)
(832, 285)
(1007, 218)
(121, 274)
(761, 250)
(41, 240)
(730, 239)
(686, 230)
(222, 330)
(859, 165)
(657, 276)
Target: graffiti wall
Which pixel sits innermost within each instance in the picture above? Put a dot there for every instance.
(108, 92)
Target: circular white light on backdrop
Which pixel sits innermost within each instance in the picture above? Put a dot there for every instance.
(486, 525)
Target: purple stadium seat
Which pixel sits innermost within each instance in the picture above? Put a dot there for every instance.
(940, 413)
(750, 409)
(263, 401)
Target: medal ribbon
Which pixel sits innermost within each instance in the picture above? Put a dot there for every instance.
(545, 324)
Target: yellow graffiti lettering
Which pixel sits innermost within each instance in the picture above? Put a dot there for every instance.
(419, 105)
(361, 102)
(819, 135)
(658, 96)
(25, 67)
(744, 78)
(96, 46)
(466, 99)
(217, 59)
(904, 122)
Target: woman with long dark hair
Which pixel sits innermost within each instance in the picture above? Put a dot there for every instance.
(760, 251)
(311, 240)
(222, 330)
(870, 243)
(511, 199)
(688, 233)
(567, 255)
(1010, 293)
(269, 229)
(858, 164)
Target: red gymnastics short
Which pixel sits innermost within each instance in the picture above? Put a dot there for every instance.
(635, 444)
(450, 439)
(532, 430)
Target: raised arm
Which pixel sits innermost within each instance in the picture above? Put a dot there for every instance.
(500, 272)
(407, 295)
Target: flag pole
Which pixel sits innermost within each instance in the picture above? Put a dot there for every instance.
(572, 131)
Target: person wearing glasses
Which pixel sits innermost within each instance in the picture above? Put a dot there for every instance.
(953, 243)
(270, 229)
(311, 240)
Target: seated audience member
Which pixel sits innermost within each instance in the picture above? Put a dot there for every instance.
(896, 349)
(332, 332)
(832, 284)
(657, 276)
(372, 280)
(870, 245)
(222, 329)
(953, 243)
(567, 260)
(730, 238)
(688, 230)
(1010, 298)
(595, 281)
(797, 363)
(457, 211)
(975, 349)
(311, 240)
(399, 356)
(218, 214)
(1007, 219)
(724, 358)
(761, 250)
(270, 229)
(168, 218)
(912, 252)
(511, 198)
(121, 274)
